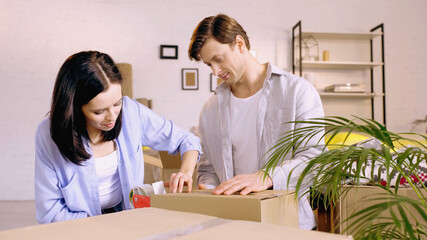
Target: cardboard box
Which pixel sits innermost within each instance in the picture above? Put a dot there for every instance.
(144, 101)
(153, 223)
(356, 200)
(152, 167)
(159, 166)
(126, 72)
(277, 207)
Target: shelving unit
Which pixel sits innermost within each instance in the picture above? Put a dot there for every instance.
(356, 95)
(339, 65)
(375, 85)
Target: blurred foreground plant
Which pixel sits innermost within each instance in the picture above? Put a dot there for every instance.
(397, 158)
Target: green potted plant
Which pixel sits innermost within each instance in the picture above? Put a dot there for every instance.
(393, 160)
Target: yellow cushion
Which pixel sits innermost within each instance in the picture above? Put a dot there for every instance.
(354, 138)
(339, 138)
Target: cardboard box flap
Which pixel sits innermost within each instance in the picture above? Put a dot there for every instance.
(272, 194)
(255, 195)
(208, 193)
(170, 161)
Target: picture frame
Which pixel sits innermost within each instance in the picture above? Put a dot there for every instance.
(190, 79)
(168, 52)
(215, 81)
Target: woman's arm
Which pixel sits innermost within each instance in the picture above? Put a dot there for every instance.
(161, 134)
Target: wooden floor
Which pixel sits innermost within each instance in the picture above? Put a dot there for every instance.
(16, 214)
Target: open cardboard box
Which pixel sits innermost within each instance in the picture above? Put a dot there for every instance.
(159, 166)
(145, 101)
(277, 207)
(355, 200)
(172, 164)
(152, 166)
(154, 223)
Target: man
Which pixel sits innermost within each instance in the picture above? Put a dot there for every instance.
(246, 116)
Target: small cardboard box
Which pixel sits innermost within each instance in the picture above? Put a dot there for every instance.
(159, 166)
(126, 72)
(277, 207)
(145, 101)
(356, 200)
(152, 166)
(154, 223)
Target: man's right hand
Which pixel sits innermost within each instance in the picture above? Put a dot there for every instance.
(244, 183)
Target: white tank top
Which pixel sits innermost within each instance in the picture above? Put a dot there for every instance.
(244, 112)
(110, 190)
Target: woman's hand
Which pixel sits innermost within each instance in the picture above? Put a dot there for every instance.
(179, 180)
(185, 174)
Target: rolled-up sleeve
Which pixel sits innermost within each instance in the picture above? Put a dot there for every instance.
(163, 135)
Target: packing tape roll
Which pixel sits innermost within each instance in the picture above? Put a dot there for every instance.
(144, 190)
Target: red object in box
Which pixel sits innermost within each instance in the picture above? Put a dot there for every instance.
(140, 201)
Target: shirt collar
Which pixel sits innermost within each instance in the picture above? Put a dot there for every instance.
(271, 69)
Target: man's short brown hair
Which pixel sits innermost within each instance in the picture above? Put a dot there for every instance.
(221, 27)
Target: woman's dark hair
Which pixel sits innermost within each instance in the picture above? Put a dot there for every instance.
(221, 27)
(81, 78)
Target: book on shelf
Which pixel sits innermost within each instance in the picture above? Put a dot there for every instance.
(346, 88)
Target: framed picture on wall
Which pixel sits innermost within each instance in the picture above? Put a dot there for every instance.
(168, 51)
(190, 79)
(215, 81)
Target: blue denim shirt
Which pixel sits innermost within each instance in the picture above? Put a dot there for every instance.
(65, 191)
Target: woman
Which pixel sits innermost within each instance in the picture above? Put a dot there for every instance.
(89, 151)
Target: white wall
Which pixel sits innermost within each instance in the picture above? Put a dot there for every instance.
(37, 36)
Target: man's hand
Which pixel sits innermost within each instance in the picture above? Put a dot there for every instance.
(246, 183)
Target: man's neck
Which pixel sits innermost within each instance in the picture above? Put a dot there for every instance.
(252, 80)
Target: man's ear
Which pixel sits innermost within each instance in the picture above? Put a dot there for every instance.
(240, 43)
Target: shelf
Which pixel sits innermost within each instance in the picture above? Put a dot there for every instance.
(355, 59)
(355, 95)
(339, 65)
(348, 36)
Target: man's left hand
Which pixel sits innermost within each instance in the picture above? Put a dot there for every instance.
(245, 183)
